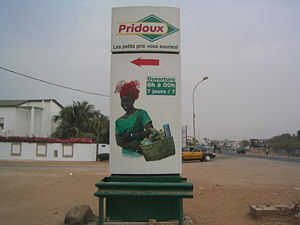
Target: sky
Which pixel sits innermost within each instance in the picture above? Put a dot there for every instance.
(249, 50)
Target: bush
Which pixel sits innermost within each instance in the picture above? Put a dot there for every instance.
(285, 141)
(43, 140)
(103, 157)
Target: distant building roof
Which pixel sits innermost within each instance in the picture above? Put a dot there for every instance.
(15, 103)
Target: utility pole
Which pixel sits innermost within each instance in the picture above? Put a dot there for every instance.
(98, 127)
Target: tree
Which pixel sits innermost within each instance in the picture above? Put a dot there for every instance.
(285, 141)
(244, 143)
(81, 120)
(101, 128)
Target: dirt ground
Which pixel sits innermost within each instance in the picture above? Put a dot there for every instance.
(40, 193)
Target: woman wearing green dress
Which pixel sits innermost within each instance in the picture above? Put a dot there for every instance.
(135, 124)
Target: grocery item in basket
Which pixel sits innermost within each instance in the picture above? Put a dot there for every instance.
(167, 130)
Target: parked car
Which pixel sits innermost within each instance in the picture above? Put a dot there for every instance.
(241, 150)
(192, 153)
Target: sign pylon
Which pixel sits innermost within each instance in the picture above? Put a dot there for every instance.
(145, 120)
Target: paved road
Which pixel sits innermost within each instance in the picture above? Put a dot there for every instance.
(269, 157)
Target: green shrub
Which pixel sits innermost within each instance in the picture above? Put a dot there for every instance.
(285, 141)
(103, 156)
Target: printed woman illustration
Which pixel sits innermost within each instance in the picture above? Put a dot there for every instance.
(135, 124)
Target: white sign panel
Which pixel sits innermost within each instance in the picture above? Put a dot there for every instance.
(145, 29)
(145, 114)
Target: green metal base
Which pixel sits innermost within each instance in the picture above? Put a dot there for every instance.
(142, 209)
(140, 198)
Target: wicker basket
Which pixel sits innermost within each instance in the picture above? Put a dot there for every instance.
(159, 150)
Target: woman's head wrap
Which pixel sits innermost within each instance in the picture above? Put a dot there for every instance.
(128, 89)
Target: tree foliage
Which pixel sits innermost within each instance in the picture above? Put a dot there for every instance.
(81, 120)
(101, 129)
(285, 141)
(244, 143)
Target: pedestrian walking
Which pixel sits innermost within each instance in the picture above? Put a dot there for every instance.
(267, 151)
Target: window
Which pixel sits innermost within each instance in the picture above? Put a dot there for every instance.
(186, 149)
(1, 123)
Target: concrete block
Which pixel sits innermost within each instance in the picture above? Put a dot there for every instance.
(258, 211)
(143, 223)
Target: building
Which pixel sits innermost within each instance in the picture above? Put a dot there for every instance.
(28, 117)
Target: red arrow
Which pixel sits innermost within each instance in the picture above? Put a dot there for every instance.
(145, 62)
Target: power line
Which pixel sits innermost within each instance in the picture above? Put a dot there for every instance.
(57, 85)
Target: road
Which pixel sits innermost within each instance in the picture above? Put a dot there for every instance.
(223, 189)
(269, 157)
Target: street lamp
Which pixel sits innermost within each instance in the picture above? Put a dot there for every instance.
(98, 115)
(203, 79)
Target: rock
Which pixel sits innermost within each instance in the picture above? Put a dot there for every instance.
(152, 222)
(258, 211)
(79, 215)
(187, 220)
(95, 222)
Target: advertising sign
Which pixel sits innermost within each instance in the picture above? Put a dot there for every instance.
(145, 118)
(145, 29)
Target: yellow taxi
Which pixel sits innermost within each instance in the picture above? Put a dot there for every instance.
(192, 153)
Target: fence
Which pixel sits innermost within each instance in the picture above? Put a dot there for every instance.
(50, 151)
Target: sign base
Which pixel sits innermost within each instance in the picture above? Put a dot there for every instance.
(142, 198)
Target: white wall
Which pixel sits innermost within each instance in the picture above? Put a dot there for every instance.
(30, 151)
(22, 125)
(54, 109)
(43, 124)
(9, 115)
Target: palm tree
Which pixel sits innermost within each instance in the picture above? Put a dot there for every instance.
(76, 121)
(100, 128)
(104, 130)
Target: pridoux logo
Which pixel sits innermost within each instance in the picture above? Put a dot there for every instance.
(151, 28)
(142, 28)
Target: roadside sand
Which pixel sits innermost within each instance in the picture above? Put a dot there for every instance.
(223, 189)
